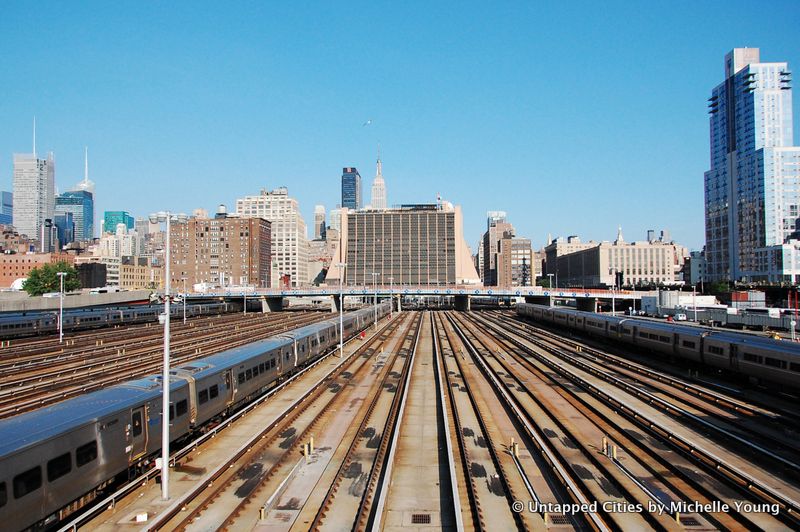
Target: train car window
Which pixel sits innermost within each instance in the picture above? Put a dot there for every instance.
(262, 368)
(86, 453)
(690, 345)
(136, 423)
(30, 480)
(59, 466)
(775, 363)
(714, 350)
(794, 366)
(3, 494)
(613, 328)
(664, 339)
(181, 408)
(213, 391)
(248, 374)
(203, 396)
(241, 378)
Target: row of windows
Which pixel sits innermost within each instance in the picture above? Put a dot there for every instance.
(656, 337)
(31, 480)
(245, 376)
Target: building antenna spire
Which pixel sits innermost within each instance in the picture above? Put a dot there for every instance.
(34, 136)
(379, 169)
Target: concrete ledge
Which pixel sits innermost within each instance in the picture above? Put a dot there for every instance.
(22, 302)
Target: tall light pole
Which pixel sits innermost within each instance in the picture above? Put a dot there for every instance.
(158, 217)
(391, 297)
(550, 275)
(613, 293)
(341, 266)
(694, 301)
(61, 307)
(375, 276)
(184, 299)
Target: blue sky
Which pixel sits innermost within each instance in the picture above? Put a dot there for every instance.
(572, 117)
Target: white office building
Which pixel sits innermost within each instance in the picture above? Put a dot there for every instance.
(289, 237)
(34, 193)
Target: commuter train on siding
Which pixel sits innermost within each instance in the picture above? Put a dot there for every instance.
(759, 359)
(18, 324)
(56, 459)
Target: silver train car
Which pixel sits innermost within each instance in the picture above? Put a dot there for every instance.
(19, 324)
(759, 359)
(55, 460)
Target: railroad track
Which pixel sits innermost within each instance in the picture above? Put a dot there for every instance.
(485, 465)
(761, 432)
(418, 483)
(95, 370)
(759, 407)
(236, 490)
(348, 502)
(749, 488)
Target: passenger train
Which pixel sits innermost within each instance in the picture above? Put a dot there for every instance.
(55, 459)
(759, 359)
(18, 324)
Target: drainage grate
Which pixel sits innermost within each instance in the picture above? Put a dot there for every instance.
(558, 519)
(420, 519)
(689, 521)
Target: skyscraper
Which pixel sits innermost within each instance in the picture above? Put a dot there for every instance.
(351, 188)
(81, 204)
(34, 192)
(752, 190)
(112, 218)
(378, 188)
(6, 208)
(319, 222)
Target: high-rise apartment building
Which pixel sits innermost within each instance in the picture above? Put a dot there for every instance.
(34, 193)
(221, 251)
(79, 203)
(319, 222)
(752, 190)
(289, 236)
(113, 218)
(379, 188)
(351, 188)
(410, 245)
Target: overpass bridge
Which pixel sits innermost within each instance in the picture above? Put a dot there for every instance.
(272, 298)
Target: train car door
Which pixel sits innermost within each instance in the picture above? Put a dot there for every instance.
(138, 441)
(229, 386)
(734, 356)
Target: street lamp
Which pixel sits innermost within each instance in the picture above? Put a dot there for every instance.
(167, 217)
(341, 266)
(61, 307)
(391, 297)
(550, 283)
(184, 299)
(375, 275)
(694, 301)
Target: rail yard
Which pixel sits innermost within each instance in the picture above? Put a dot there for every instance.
(484, 420)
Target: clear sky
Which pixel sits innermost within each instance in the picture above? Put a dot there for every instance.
(572, 117)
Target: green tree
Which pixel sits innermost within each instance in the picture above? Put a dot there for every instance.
(45, 279)
(718, 287)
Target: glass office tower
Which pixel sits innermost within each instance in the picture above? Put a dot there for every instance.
(351, 188)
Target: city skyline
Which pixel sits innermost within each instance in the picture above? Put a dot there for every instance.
(527, 111)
